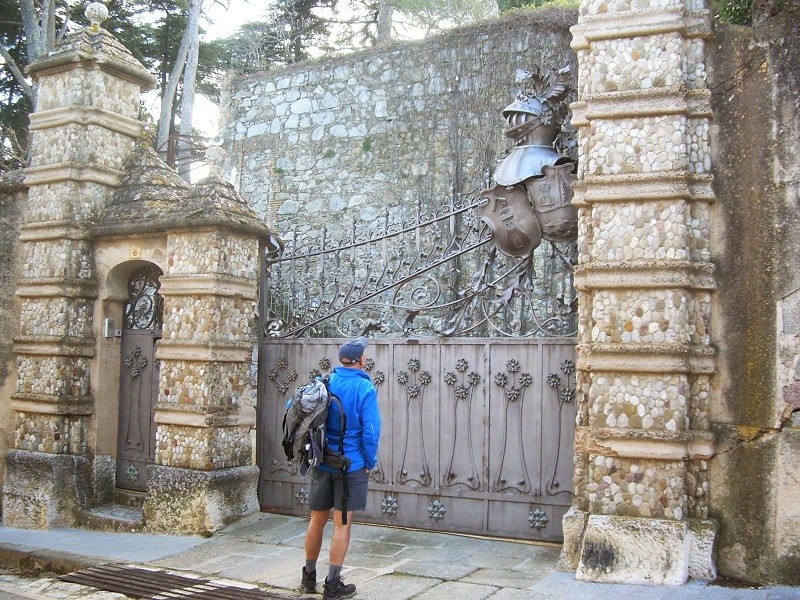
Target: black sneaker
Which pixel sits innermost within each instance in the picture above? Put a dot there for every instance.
(337, 588)
(309, 582)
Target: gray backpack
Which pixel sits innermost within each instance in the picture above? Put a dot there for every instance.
(304, 440)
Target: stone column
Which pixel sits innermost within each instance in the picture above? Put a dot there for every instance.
(645, 279)
(204, 477)
(84, 127)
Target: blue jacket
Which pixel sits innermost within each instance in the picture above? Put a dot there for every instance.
(360, 403)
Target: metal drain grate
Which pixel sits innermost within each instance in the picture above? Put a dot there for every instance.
(161, 585)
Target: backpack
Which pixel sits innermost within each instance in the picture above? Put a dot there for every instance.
(304, 440)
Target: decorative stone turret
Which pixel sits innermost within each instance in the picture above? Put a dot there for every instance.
(646, 278)
(203, 476)
(103, 210)
(84, 127)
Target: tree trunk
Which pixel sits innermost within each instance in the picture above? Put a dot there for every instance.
(168, 95)
(384, 34)
(33, 35)
(184, 159)
(40, 35)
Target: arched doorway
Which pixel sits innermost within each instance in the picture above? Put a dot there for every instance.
(142, 319)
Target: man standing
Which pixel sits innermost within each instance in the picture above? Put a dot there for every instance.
(359, 399)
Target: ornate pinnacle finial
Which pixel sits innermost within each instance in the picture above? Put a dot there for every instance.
(96, 12)
(215, 156)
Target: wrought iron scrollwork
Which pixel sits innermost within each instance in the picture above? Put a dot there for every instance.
(284, 379)
(434, 275)
(134, 436)
(281, 377)
(145, 306)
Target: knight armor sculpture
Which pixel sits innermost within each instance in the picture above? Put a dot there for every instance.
(533, 170)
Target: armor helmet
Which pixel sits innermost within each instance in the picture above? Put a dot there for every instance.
(530, 121)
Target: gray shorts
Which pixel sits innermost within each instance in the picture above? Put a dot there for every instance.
(327, 489)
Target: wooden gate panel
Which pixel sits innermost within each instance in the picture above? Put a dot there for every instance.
(380, 359)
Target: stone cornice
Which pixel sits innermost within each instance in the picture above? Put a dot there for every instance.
(57, 287)
(644, 187)
(85, 116)
(579, 42)
(204, 351)
(629, 24)
(53, 230)
(45, 404)
(647, 358)
(653, 102)
(54, 345)
(645, 274)
(650, 444)
(180, 224)
(208, 285)
(73, 171)
(170, 414)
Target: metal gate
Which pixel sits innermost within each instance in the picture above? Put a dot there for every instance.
(477, 434)
(473, 357)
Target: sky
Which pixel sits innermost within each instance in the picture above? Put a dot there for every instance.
(223, 22)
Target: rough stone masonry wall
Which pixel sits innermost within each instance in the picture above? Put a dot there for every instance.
(755, 478)
(13, 199)
(324, 143)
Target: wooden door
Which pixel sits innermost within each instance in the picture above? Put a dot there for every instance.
(139, 379)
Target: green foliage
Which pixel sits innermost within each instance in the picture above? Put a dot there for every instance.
(429, 14)
(737, 12)
(292, 34)
(366, 145)
(328, 153)
(213, 63)
(14, 104)
(506, 5)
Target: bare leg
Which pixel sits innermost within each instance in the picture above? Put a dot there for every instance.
(314, 533)
(341, 538)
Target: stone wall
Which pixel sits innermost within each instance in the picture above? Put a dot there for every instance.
(754, 478)
(327, 142)
(13, 199)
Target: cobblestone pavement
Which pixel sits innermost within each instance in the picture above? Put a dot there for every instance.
(266, 550)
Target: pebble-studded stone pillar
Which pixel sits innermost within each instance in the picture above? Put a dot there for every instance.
(84, 127)
(645, 279)
(203, 477)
